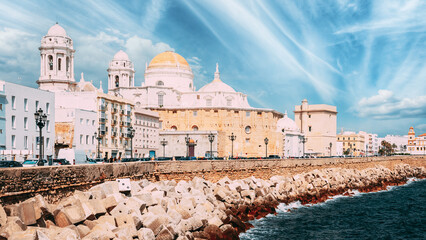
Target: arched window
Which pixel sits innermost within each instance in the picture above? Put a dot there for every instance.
(208, 102)
(50, 62)
(68, 64)
(173, 128)
(160, 83)
(194, 128)
(59, 64)
(117, 81)
(247, 129)
(228, 102)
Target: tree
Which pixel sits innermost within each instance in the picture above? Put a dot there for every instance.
(387, 148)
(346, 152)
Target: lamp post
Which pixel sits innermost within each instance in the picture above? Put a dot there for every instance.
(40, 119)
(131, 134)
(164, 143)
(331, 144)
(304, 140)
(187, 138)
(266, 140)
(211, 139)
(98, 137)
(232, 138)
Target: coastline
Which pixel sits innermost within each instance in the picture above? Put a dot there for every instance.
(187, 209)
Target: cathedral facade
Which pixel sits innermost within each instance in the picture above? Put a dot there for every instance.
(169, 90)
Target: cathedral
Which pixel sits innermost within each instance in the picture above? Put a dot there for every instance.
(168, 89)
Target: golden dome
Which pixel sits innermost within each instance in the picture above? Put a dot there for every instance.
(169, 59)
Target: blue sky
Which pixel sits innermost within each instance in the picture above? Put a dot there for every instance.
(368, 58)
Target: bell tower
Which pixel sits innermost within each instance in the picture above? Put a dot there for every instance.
(121, 72)
(56, 61)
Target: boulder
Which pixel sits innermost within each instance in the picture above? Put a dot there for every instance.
(125, 220)
(146, 199)
(155, 223)
(61, 219)
(83, 230)
(156, 210)
(97, 207)
(75, 213)
(126, 231)
(3, 216)
(215, 220)
(146, 234)
(13, 224)
(164, 234)
(100, 235)
(229, 232)
(214, 232)
(27, 213)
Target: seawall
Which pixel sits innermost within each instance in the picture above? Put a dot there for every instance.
(55, 182)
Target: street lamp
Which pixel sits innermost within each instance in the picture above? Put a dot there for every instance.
(131, 134)
(232, 138)
(304, 140)
(187, 138)
(331, 144)
(98, 137)
(211, 139)
(266, 140)
(164, 143)
(40, 119)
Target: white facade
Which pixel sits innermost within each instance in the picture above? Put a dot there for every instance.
(176, 144)
(372, 143)
(169, 84)
(146, 141)
(400, 142)
(20, 129)
(292, 137)
(85, 124)
(56, 61)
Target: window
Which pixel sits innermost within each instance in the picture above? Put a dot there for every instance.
(13, 102)
(194, 128)
(47, 143)
(228, 102)
(247, 129)
(59, 64)
(13, 141)
(26, 104)
(1, 106)
(160, 99)
(25, 142)
(81, 138)
(247, 114)
(93, 122)
(36, 105)
(47, 108)
(87, 139)
(247, 140)
(13, 122)
(174, 128)
(310, 128)
(160, 83)
(48, 125)
(37, 142)
(25, 123)
(195, 113)
(50, 62)
(117, 78)
(309, 116)
(68, 64)
(87, 121)
(208, 102)
(93, 139)
(81, 121)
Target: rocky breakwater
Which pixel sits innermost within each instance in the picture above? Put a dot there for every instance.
(196, 209)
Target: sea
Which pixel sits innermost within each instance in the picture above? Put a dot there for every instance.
(396, 213)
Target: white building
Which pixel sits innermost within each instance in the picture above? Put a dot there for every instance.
(169, 84)
(146, 139)
(18, 126)
(399, 141)
(292, 137)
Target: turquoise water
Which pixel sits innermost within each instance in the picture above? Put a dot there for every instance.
(398, 213)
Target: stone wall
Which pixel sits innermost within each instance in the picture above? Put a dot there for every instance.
(55, 182)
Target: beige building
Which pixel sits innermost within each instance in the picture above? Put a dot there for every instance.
(318, 123)
(353, 142)
(115, 117)
(416, 145)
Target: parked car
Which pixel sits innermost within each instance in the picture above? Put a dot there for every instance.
(32, 162)
(95, 160)
(61, 161)
(7, 164)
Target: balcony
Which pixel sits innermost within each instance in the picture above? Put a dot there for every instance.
(122, 112)
(114, 122)
(114, 110)
(102, 108)
(114, 134)
(103, 120)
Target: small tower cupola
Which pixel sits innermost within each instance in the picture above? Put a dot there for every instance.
(120, 72)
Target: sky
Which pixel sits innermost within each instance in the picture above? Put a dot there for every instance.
(367, 58)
